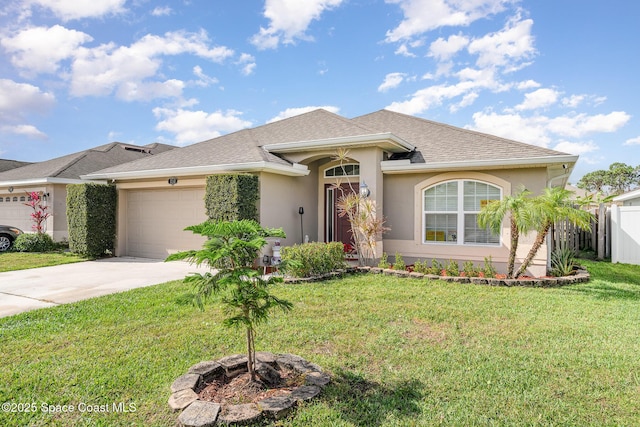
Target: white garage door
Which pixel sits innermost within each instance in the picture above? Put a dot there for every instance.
(156, 220)
(13, 212)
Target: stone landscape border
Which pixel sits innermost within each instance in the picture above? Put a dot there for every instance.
(199, 413)
(581, 276)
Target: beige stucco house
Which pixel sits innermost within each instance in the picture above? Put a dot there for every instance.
(428, 179)
(50, 179)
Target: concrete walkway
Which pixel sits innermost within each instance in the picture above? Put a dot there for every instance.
(26, 290)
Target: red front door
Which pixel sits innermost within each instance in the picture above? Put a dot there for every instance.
(337, 228)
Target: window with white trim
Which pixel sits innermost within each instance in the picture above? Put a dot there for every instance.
(349, 169)
(450, 212)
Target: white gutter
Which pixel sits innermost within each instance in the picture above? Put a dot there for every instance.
(405, 166)
(294, 170)
(392, 143)
(48, 180)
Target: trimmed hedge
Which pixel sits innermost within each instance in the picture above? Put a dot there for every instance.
(313, 259)
(91, 218)
(232, 197)
(34, 242)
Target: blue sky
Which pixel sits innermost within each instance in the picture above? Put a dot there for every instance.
(75, 74)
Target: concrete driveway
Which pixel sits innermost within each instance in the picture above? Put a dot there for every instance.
(26, 290)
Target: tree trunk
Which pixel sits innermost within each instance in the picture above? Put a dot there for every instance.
(537, 244)
(251, 355)
(514, 247)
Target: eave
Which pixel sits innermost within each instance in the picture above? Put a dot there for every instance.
(386, 141)
(405, 166)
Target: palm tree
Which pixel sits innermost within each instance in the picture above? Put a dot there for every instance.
(231, 250)
(516, 206)
(553, 205)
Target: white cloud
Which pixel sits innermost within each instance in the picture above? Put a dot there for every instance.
(289, 21)
(576, 148)
(162, 11)
(40, 49)
(421, 16)
(247, 63)
(540, 98)
(146, 91)
(76, 9)
(29, 131)
(527, 84)
(391, 81)
(290, 112)
(204, 80)
(194, 126)
(19, 99)
(403, 50)
(443, 50)
(633, 141)
(508, 48)
(102, 70)
(541, 130)
(573, 100)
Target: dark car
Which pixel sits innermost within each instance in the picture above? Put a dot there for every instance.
(7, 235)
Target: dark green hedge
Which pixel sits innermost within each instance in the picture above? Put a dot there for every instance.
(313, 259)
(91, 218)
(232, 197)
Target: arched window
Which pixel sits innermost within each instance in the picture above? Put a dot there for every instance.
(450, 212)
(349, 169)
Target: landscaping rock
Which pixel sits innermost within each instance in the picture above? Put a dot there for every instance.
(186, 381)
(268, 375)
(181, 399)
(297, 363)
(245, 414)
(200, 414)
(317, 379)
(416, 275)
(234, 365)
(277, 407)
(266, 357)
(208, 370)
(305, 393)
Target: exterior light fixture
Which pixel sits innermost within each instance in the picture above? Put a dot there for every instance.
(173, 180)
(10, 189)
(364, 190)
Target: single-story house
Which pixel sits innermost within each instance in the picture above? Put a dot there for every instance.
(631, 198)
(428, 179)
(50, 179)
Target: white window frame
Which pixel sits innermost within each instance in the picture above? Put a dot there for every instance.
(460, 212)
(340, 167)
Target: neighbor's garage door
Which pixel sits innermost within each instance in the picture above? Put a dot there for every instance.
(156, 220)
(13, 212)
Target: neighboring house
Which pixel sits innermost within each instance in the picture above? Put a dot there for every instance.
(428, 179)
(632, 198)
(51, 177)
(6, 165)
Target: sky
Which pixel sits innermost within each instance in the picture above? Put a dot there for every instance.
(76, 74)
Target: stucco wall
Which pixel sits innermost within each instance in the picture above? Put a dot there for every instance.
(402, 210)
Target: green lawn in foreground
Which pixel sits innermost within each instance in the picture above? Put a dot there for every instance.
(11, 261)
(402, 352)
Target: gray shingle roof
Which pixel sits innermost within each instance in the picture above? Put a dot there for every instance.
(6, 165)
(437, 142)
(73, 165)
(434, 142)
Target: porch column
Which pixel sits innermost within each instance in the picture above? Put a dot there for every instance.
(371, 174)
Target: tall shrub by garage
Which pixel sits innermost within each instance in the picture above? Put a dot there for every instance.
(232, 197)
(91, 218)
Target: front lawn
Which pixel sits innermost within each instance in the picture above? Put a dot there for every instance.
(402, 352)
(10, 261)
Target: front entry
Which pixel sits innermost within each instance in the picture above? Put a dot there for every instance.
(337, 228)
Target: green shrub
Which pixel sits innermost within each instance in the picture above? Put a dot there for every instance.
(452, 269)
(232, 197)
(313, 259)
(384, 261)
(469, 269)
(489, 270)
(33, 242)
(421, 267)
(91, 218)
(398, 263)
(436, 267)
(563, 262)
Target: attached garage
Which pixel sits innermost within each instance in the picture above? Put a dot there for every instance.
(155, 221)
(13, 211)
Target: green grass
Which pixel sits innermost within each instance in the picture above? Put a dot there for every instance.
(402, 352)
(10, 261)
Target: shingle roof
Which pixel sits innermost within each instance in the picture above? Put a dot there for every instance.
(437, 142)
(434, 142)
(6, 165)
(73, 165)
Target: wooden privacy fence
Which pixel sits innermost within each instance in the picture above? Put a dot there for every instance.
(596, 239)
